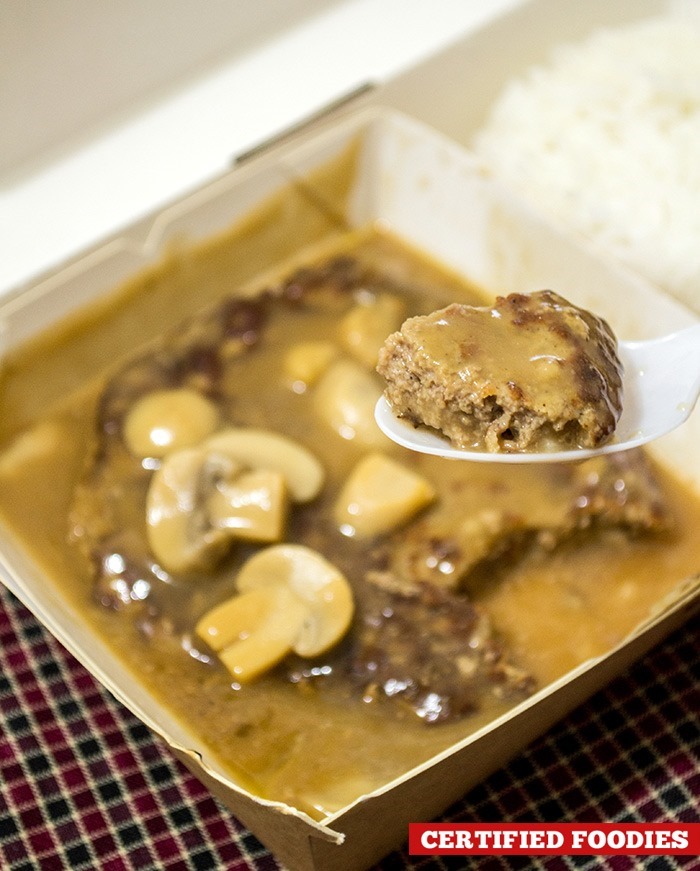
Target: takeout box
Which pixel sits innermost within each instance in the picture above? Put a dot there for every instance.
(432, 193)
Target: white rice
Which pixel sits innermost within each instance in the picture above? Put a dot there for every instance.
(606, 139)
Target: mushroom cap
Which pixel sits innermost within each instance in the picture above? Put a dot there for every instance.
(290, 599)
(261, 627)
(166, 420)
(234, 484)
(179, 534)
(265, 449)
(345, 397)
(315, 581)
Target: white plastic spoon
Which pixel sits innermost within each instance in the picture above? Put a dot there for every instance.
(661, 384)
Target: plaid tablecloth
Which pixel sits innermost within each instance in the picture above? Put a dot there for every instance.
(86, 786)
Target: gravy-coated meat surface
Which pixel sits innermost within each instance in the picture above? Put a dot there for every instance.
(533, 372)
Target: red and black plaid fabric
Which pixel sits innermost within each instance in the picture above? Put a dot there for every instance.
(85, 785)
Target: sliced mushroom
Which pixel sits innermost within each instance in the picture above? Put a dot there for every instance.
(365, 327)
(178, 530)
(291, 599)
(305, 362)
(233, 485)
(314, 581)
(345, 398)
(199, 500)
(264, 449)
(252, 632)
(234, 618)
(380, 495)
(167, 420)
(250, 505)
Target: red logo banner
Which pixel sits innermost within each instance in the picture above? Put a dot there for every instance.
(554, 839)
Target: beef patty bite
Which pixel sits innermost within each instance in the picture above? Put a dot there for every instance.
(532, 373)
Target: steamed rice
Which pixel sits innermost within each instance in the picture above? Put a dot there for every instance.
(606, 139)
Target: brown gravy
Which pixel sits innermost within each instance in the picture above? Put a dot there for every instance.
(317, 750)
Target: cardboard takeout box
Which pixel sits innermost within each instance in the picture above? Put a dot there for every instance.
(432, 193)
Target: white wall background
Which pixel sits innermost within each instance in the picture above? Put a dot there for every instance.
(108, 109)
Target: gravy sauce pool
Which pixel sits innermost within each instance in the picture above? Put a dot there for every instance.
(315, 747)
